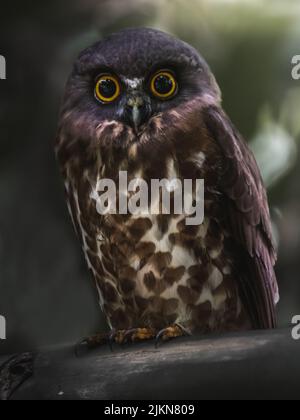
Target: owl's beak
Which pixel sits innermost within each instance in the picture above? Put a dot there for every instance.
(137, 110)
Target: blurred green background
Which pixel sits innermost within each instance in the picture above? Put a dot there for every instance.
(46, 292)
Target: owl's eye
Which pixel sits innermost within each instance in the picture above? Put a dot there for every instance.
(164, 85)
(107, 88)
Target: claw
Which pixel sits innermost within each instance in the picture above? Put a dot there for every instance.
(129, 336)
(169, 333)
(139, 334)
(91, 343)
(116, 337)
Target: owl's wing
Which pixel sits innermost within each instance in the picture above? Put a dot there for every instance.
(248, 219)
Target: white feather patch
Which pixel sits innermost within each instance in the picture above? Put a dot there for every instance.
(134, 83)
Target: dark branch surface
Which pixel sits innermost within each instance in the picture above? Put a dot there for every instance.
(256, 365)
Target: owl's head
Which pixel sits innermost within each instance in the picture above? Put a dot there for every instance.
(133, 76)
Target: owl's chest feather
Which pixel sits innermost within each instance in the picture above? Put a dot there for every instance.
(157, 270)
(169, 272)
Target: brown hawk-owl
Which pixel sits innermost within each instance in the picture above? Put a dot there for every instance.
(145, 102)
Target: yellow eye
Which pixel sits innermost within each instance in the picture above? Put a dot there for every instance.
(164, 85)
(107, 88)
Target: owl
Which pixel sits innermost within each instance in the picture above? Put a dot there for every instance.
(145, 103)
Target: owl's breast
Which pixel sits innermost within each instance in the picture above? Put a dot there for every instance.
(166, 272)
(156, 269)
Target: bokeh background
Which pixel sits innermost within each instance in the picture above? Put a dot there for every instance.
(46, 292)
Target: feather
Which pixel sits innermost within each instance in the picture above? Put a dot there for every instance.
(248, 220)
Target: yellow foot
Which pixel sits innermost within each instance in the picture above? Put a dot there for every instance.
(169, 333)
(134, 335)
(115, 337)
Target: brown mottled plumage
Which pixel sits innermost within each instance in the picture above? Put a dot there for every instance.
(154, 272)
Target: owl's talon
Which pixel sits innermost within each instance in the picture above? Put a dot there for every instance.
(139, 334)
(91, 343)
(119, 337)
(169, 333)
(128, 337)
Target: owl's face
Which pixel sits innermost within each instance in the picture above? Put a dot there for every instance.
(133, 76)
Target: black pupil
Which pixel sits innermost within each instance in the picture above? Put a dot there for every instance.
(107, 88)
(163, 84)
